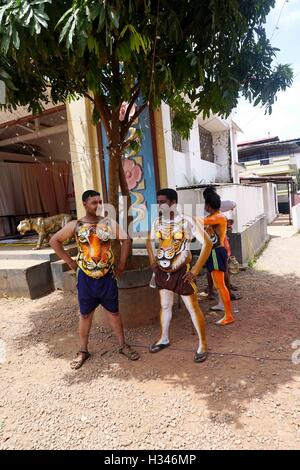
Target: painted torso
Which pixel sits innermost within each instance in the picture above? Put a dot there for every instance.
(174, 238)
(95, 255)
(216, 226)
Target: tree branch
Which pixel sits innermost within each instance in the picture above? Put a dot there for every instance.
(136, 92)
(86, 95)
(104, 112)
(134, 117)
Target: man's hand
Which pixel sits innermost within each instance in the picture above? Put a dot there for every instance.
(119, 269)
(190, 276)
(154, 266)
(72, 264)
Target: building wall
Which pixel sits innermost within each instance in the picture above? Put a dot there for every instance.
(296, 160)
(270, 201)
(84, 150)
(250, 221)
(245, 213)
(296, 216)
(221, 150)
(186, 168)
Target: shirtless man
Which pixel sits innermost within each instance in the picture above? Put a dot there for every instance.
(226, 206)
(174, 231)
(216, 225)
(95, 271)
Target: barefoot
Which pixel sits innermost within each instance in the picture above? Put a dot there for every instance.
(225, 321)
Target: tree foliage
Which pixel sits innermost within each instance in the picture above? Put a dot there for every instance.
(206, 50)
(196, 55)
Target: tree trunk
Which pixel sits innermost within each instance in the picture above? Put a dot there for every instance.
(125, 192)
(116, 173)
(114, 179)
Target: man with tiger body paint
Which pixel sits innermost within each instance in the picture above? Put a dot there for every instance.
(171, 264)
(216, 226)
(95, 270)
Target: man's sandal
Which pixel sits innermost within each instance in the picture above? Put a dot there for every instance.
(200, 357)
(154, 348)
(130, 353)
(80, 359)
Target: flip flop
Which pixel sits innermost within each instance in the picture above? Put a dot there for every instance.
(76, 364)
(235, 296)
(154, 348)
(203, 294)
(200, 357)
(234, 288)
(217, 308)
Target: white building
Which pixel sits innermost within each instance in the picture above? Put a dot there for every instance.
(209, 156)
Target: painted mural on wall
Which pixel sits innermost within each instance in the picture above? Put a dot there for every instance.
(140, 175)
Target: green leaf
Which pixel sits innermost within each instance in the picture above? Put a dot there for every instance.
(64, 16)
(114, 17)
(2, 11)
(28, 19)
(16, 39)
(102, 18)
(65, 28)
(71, 32)
(42, 19)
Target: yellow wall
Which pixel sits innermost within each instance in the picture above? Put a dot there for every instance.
(84, 150)
(161, 153)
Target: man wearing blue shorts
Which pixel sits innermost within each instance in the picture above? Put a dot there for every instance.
(95, 271)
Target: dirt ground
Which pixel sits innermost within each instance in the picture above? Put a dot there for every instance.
(245, 396)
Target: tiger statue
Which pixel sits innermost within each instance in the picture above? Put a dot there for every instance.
(95, 255)
(44, 227)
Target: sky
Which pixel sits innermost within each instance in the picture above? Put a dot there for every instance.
(283, 27)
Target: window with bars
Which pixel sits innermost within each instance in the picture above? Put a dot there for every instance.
(206, 145)
(176, 139)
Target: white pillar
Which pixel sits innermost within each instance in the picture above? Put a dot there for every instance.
(234, 153)
(167, 133)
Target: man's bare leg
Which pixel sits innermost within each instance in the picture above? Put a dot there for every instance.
(85, 323)
(116, 324)
(210, 286)
(197, 317)
(166, 304)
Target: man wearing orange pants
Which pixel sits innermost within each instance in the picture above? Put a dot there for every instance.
(216, 226)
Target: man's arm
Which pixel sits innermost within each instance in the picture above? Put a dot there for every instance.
(150, 245)
(207, 245)
(213, 219)
(199, 232)
(56, 242)
(125, 241)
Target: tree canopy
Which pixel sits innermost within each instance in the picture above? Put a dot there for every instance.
(196, 55)
(207, 50)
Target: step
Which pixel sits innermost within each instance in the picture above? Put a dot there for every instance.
(21, 252)
(25, 278)
(69, 281)
(58, 268)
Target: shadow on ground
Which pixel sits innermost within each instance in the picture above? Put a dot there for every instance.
(250, 358)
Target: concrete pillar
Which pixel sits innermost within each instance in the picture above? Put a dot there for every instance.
(160, 148)
(167, 133)
(84, 150)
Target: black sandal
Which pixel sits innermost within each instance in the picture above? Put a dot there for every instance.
(76, 364)
(200, 357)
(235, 296)
(154, 348)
